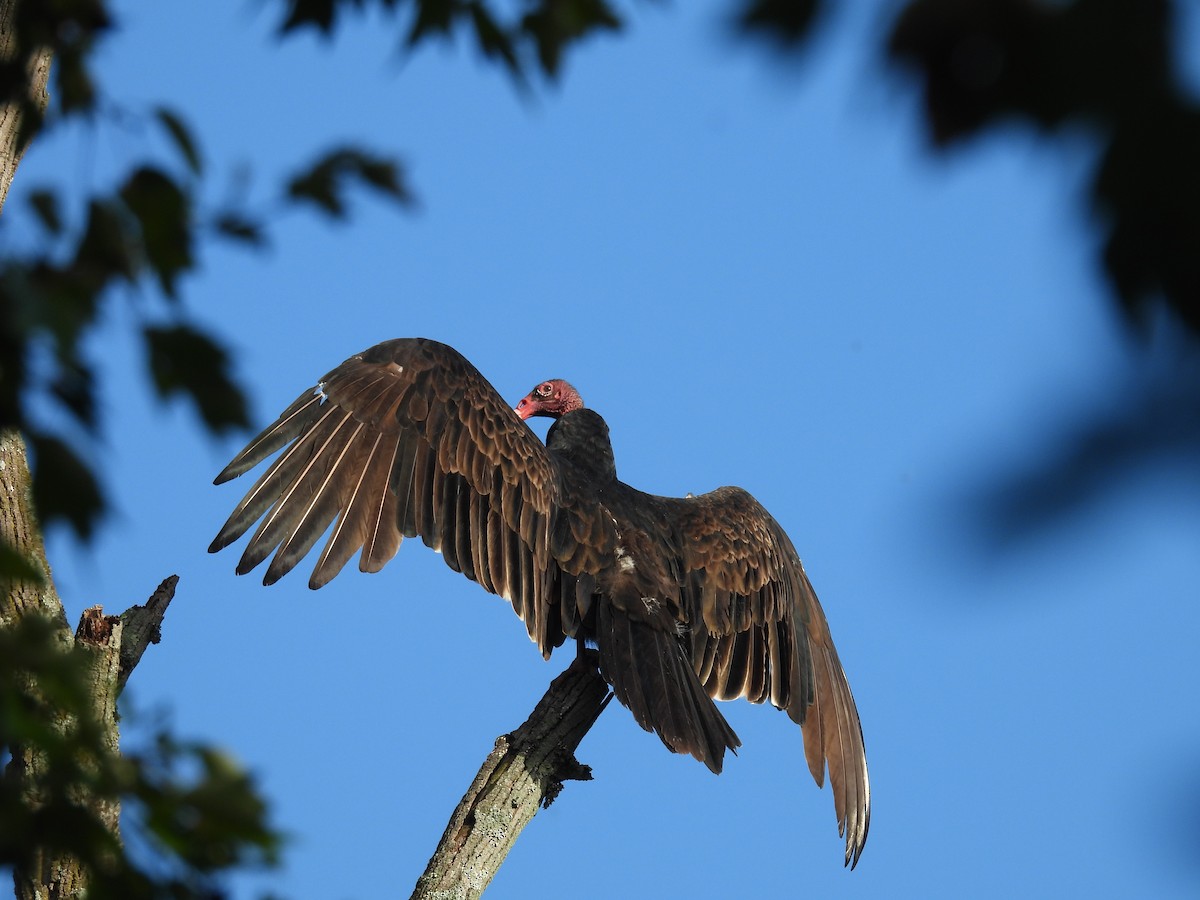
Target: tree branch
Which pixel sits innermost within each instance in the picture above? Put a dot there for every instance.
(525, 771)
(142, 627)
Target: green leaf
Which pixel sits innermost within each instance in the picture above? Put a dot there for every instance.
(45, 207)
(163, 212)
(190, 802)
(186, 361)
(62, 301)
(787, 22)
(181, 135)
(325, 183)
(217, 821)
(73, 386)
(493, 40)
(318, 14)
(433, 17)
(556, 24)
(15, 567)
(64, 486)
(237, 227)
(76, 90)
(105, 250)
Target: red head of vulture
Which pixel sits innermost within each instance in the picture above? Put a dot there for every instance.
(686, 600)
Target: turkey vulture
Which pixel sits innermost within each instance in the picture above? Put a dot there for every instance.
(686, 600)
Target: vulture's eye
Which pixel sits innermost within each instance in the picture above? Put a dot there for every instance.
(546, 389)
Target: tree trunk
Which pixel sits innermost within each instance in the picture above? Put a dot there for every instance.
(112, 645)
(11, 114)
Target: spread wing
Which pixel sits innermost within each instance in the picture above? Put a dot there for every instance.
(758, 632)
(405, 439)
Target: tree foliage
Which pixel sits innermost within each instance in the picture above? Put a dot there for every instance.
(188, 804)
(1103, 68)
(140, 239)
(1104, 65)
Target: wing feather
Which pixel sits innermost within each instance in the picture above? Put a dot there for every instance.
(758, 631)
(688, 600)
(407, 439)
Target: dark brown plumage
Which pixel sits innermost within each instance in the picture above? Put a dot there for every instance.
(685, 599)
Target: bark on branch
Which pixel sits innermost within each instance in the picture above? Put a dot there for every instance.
(525, 771)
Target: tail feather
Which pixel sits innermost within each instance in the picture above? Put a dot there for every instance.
(651, 675)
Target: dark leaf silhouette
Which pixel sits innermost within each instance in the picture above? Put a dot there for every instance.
(74, 387)
(1103, 64)
(69, 28)
(65, 489)
(105, 252)
(13, 568)
(325, 183)
(494, 42)
(318, 14)
(555, 25)
(433, 18)
(193, 803)
(182, 138)
(44, 204)
(1142, 422)
(238, 227)
(186, 361)
(163, 213)
(212, 822)
(787, 22)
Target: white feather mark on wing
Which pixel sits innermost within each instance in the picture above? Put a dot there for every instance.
(279, 426)
(382, 501)
(279, 503)
(316, 495)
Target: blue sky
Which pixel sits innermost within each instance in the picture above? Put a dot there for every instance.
(759, 276)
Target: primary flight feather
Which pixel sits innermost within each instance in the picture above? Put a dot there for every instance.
(687, 600)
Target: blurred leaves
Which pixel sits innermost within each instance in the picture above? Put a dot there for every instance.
(240, 228)
(142, 232)
(14, 566)
(543, 33)
(69, 29)
(182, 138)
(140, 237)
(324, 184)
(45, 206)
(65, 488)
(184, 360)
(555, 26)
(162, 210)
(213, 821)
(1102, 64)
(1143, 420)
(190, 802)
(786, 22)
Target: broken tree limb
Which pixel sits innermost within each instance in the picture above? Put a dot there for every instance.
(142, 626)
(525, 771)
